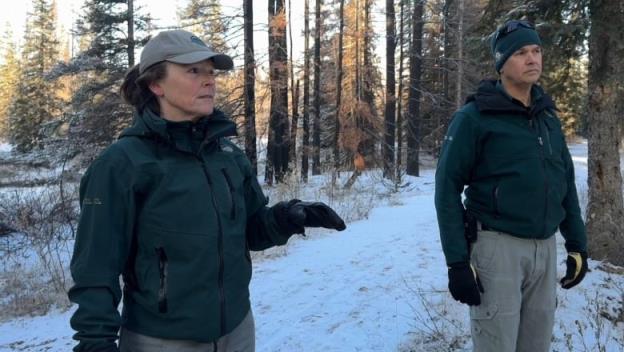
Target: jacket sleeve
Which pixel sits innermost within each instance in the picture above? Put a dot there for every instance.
(572, 227)
(457, 157)
(100, 252)
(262, 229)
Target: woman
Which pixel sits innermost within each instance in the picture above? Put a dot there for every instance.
(174, 207)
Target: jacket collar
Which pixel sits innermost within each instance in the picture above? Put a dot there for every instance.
(187, 136)
(491, 98)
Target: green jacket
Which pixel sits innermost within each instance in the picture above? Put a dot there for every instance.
(174, 208)
(517, 169)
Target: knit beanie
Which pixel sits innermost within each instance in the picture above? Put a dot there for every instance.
(512, 36)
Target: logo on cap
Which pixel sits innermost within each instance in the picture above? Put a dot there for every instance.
(498, 55)
(196, 40)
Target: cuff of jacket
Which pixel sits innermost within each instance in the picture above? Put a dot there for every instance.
(282, 219)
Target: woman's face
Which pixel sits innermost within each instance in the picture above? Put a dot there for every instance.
(187, 92)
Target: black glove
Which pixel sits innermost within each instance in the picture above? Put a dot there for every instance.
(464, 284)
(576, 269)
(295, 215)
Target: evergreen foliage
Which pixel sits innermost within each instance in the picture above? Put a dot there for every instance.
(563, 27)
(97, 111)
(36, 100)
(205, 19)
(9, 75)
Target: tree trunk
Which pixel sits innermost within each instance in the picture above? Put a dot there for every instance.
(294, 91)
(316, 137)
(272, 152)
(460, 55)
(306, 96)
(605, 213)
(250, 78)
(446, 18)
(367, 129)
(399, 112)
(358, 91)
(294, 124)
(277, 149)
(390, 111)
(413, 121)
(338, 93)
(130, 33)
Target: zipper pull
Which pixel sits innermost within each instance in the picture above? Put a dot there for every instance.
(539, 139)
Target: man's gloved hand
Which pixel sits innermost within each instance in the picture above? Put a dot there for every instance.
(576, 269)
(464, 284)
(295, 215)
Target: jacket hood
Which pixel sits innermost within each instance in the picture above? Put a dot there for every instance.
(149, 125)
(491, 98)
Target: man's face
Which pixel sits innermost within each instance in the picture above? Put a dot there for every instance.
(524, 66)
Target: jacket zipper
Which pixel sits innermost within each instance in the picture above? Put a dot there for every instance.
(163, 268)
(230, 193)
(219, 247)
(541, 143)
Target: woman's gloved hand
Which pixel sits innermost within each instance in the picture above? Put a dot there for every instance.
(293, 216)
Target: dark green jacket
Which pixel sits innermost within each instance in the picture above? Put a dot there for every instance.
(517, 169)
(174, 208)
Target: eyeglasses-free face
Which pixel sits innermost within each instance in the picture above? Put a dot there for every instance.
(187, 92)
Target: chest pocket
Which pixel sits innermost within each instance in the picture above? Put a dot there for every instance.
(554, 137)
(507, 141)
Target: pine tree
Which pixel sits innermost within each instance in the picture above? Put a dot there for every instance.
(413, 116)
(108, 28)
(306, 95)
(106, 25)
(390, 111)
(339, 73)
(250, 78)
(563, 28)
(36, 99)
(359, 119)
(400, 92)
(316, 121)
(205, 19)
(278, 144)
(9, 75)
(294, 91)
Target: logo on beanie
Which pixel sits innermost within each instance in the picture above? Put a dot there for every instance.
(498, 55)
(196, 40)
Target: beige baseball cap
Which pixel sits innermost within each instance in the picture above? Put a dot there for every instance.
(181, 47)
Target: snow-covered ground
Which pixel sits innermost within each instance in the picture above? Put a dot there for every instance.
(380, 285)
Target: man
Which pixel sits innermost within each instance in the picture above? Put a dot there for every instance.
(507, 147)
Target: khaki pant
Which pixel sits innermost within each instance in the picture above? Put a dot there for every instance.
(517, 309)
(241, 339)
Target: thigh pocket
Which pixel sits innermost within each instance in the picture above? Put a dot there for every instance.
(483, 311)
(484, 250)
(482, 318)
